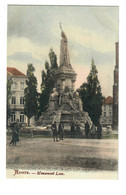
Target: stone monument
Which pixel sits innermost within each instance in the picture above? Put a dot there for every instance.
(65, 104)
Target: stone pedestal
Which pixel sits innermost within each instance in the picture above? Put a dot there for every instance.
(65, 77)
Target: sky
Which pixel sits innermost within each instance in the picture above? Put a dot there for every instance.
(91, 31)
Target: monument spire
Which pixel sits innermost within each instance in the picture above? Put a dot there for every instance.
(60, 26)
(64, 54)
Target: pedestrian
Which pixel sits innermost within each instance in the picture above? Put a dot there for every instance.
(61, 130)
(54, 131)
(99, 131)
(15, 132)
(87, 130)
(72, 130)
(92, 131)
(78, 130)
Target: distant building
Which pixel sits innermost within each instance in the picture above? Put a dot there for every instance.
(115, 90)
(107, 112)
(17, 97)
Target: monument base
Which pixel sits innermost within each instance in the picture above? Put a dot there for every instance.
(79, 118)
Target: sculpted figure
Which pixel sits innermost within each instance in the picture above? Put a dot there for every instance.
(66, 99)
(53, 101)
(77, 102)
(64, 54)
(54, 94)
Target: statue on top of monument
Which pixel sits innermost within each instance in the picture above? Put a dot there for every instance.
(64, 54)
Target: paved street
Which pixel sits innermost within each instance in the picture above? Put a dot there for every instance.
(69, 154)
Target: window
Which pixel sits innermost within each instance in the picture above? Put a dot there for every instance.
(13, 117)
(13, 100)
(22, 86)
(104, 114)
(14, 85)
(110, 114)
(21, 100)
(21, 117)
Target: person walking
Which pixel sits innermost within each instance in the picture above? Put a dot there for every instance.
(61, 129)
(54, 131)
(15, 133)
(72, 130)
(99, 131)
(93, 131)
(87, 130)
(78, 130)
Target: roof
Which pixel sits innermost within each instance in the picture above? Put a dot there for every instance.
(14, 72)
(108, 100)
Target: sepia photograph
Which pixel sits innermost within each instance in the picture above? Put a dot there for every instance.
(62, 93)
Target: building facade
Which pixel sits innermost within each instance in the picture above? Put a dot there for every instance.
(107, 112)
(115, 90)
(16, 101)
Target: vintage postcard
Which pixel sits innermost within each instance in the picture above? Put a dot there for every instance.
(62, 92)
